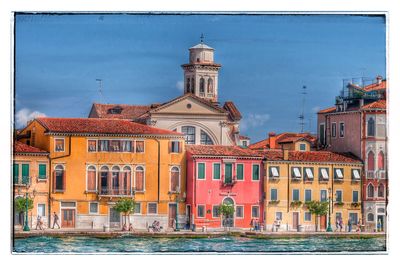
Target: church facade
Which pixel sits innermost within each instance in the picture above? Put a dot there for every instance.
(197, 113)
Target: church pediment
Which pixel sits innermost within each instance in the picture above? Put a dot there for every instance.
(189, 104)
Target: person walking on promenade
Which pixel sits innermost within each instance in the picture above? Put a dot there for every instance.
(340, 224)
(349, 225)
(39, 222)
(358, 226)
(55, 222)
(337, 224)
(251, 224)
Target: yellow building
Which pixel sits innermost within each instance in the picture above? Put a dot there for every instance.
(95, 162)
(31, 175)
(295, 177)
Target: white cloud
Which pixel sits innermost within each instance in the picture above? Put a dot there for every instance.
(179, 85)
(24, 115)
(254, 120)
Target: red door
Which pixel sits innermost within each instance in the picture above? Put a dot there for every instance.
(322, 222)
(295, 220)
(67, 218)
(171, 215)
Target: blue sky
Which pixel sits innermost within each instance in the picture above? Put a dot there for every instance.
(265, 60)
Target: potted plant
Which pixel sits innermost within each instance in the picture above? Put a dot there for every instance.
(339, 203)
(274, 202)
(295, 204)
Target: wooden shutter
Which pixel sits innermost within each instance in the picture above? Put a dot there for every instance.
(174, 180)
(169, 146)
(16, 173)
(64, 176)
(54, 181)
(179, 147)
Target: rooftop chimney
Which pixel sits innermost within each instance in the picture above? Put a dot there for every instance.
(285, 154)
(272, 140)
(379, 79)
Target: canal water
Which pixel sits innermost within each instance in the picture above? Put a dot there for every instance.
(129, 244)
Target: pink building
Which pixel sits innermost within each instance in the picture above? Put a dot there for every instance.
(223, 174)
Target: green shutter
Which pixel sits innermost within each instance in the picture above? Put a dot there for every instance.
(42, 171)
(201, 171)
(25, 173)
(217, 171)
(228, 173)
(256, 172)
(16, 173)
(239, 171)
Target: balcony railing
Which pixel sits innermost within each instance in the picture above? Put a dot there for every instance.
(228, 182)
(105, 191)
(370, 174)
(22, 181)
(382, 174)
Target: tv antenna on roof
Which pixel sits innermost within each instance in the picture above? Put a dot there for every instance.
(301, 116)
(100, 81)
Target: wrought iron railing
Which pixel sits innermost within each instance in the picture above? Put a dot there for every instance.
(116, 191)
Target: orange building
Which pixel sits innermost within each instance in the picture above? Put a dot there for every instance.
(94, 162)
(286, 140)
(31, 175)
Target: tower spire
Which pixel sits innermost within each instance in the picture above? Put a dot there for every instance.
(202, 38)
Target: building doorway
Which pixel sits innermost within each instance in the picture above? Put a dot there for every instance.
(67, 218)
(228, 220)
(171, 215)
(322, 222)
(295, 220)
(381, 223)
(115, 218)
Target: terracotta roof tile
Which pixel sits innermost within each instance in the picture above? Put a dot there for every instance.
(311, 156)
(233, 111)
(99, 126)
(127, 111)
(327, 110)
(20, 147)
(285, 137)
(221, 150)
(381, 104)
(375, 86)
(243, 137)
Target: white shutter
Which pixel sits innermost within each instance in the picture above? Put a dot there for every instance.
(324, 173)
(356, 174)
(297, 172)
(274, 171)
(309, 173)
(339, 173)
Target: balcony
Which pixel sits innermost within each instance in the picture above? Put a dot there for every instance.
(370, 174)
(116, 192)
(22, 181)
(228, 182)
(381, 174)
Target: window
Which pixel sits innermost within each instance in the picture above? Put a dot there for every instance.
(216, 171)
(174, 179)
(239, 212)
(381, 161)
(228, 173)
(205, 139)
(245, 143)
(338, 216)
(274, 171)
(115, 110)
(302, 147)
(355, 196)
(59, 145)
(296, 174)
(68, 204)
(296, 195)
(175, 147)
(41, 209)
(190, 134)
(338, 173)
(307, 195)
(256, 172)
(353, 218)
(202, 86)
(126, 145)
(370, 217)
(91, 178)
(307, 216)
(25, 174)
(355, 174)
(341, 129)
(278, 216)
(93, 207)
(139, 178)
(371, 161)
(322, 134)
(42, 171)
(16, 173)
(103, 145)
(255, 211)
(239, 171)
(59, 182)
(201, 211)
(323, 195)
(371, 127)
(137, 209)
(308, 172)
(215, 211)
(139, 146)
(323, 174)
(333, 130)
(201, 171)
(370, 191)
(126, 180)
(339, 196)
(192, 85)
(92, 143)
(210, 89)
(152, 208)
(274, 194)
(104, 180)
(188, 85)
(381, 190)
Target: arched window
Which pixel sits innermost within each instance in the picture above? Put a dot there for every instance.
(174, 179)
(370, 217)
(381, 161)
(201, 86)
(59, 182)
(371, 161)
(381, 190)
(190, 134)
(188, 85)
(370, 191)
(126, 180)
(210, 86)
(371, 127)
(228, 201)
(192, 86)
(205, 139)
(91, 178)
(115, 180)
(104, 173)
(139, 178)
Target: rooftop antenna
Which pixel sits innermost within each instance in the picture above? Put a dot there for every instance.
(202, 38)
(301, 116)
(100, 81)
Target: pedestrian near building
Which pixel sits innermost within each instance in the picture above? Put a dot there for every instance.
(340, 224)
(39, 222)
(349, 225)
(55, 222)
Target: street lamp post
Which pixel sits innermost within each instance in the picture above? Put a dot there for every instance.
(329, 229)
(26, 225)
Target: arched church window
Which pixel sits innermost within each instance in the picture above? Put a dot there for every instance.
(188, 85)
(381, 190)
(201, 85)
(370, 191)
(192, 86)
(371, 127)
(190, 134)
(205, 139)
(210, 86)
(371, 161)
(381, 161)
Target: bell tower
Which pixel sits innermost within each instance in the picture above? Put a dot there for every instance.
(201, 73)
